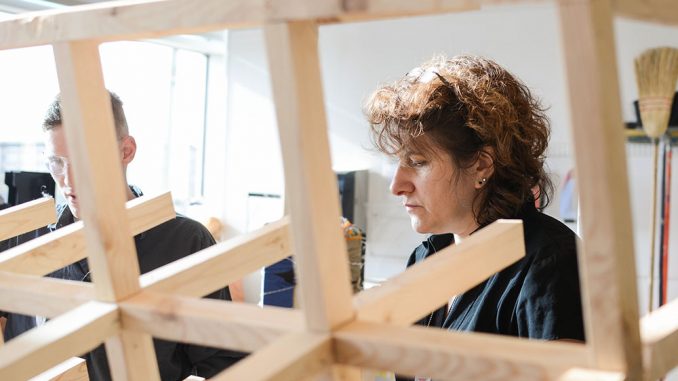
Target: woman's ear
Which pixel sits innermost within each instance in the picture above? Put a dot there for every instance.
(129, 149)
(484, 166)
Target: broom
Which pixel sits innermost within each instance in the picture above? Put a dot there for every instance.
(656, 75)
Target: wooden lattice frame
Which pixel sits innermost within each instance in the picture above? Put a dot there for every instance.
(332, 334)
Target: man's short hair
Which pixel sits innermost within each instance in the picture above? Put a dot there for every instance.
(53, 116)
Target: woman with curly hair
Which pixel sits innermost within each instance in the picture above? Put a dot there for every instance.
(470, 139)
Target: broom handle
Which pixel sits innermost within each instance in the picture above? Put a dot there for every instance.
(653, 221)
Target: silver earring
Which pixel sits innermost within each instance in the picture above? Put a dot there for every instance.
(482, 181)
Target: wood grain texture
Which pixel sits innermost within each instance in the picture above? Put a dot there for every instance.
(322, 267)
(659, 334)
(97, 169)
(440, 354)
(60, 248)
(208, 322)
(131, 356)
(126, 20)
(428, 285)
(25, 217)
(606, 258)
(31, 295)
(657, 11)
(73, 333)
(290, 358)
(73, 369)
(213, 268)
(579, 374)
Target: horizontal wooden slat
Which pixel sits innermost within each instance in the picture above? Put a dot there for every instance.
(291, 358)
(73, 369)
(454, 355)
(661, 11)
(659, 335)
(64, 246)
(579, 374)
(208, 322)
(68, 335)
(31, 295)
(26, 217)
(127, 20)
(215, 267)
(146, 19)
(451, 271)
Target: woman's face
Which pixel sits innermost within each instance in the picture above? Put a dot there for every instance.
(436, 193)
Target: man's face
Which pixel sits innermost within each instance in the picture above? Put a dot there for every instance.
(59, 166)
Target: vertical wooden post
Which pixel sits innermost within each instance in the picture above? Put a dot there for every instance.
(320, 249)
(93, 150)
(607, 264)
(310, 184)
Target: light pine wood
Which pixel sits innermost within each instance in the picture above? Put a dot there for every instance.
(47, 253)
(661, 11)
(659, 333)
(60, 248)
(31, 295)
(606, 258)
(322, 268)
(208, 322)
(73, 369)
(97, 169)
(440, 354)
(127, 20)
(290, 358)
(216, 266)
(607, 264)
(451, 271)
(578, 374)
(25, 217)
(73, 333)
(131, 356)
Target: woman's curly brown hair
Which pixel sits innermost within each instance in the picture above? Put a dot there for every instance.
(464, 105)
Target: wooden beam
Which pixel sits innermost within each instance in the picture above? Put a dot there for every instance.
(131, 356)
(25, 217)
(31, 295)
(659, 332)
(660, 11)
(129, 20)
(50, 252)
(126, 20)
(579, 374)
(606, 258)
(322, 267)
(399, 301)
(208, 322)
(439, 354)
(290, 358)
(97, 169)
(216, 266)
(73, 369)
(366, 10)
(71, 334)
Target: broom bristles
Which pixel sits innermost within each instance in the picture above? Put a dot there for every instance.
(656, 75)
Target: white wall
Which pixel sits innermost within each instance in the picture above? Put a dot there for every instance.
(357, 57)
